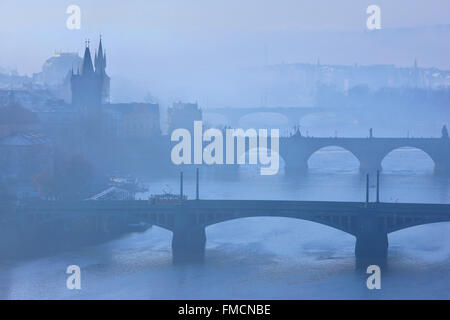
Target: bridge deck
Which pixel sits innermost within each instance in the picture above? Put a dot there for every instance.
(349, 217)
(244, 205)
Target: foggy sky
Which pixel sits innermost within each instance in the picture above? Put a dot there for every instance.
(174, 45)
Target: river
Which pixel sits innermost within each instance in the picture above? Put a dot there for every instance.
(262, 258)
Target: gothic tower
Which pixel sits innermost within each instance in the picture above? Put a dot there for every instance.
(90, 87)
(100, 70)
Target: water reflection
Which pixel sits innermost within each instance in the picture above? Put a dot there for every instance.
(260, 257)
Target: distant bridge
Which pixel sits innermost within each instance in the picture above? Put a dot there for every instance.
(370, 223)
(370, 151)
(296, 150)
(292, 114)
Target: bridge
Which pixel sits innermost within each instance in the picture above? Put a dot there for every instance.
(297, 149)
(369, 223)
(292, 114)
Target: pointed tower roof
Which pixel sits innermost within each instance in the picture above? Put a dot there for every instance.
(87, 66)
(100, 47)
(100, 58)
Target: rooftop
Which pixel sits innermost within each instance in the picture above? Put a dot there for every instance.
(16, 114)
(25, 139)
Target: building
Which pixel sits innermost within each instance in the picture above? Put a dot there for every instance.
(61, 122)
(24, 149)
(132, 120)
(296, 84)
(90, 95)
(91, 118)
(183, 115)
(33, 99)
(56, 68)
(15, 118)
(90, 87)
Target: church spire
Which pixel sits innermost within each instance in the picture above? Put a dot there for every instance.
(100, 58)
(87, 67)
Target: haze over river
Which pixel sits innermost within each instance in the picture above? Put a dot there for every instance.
(262, 258)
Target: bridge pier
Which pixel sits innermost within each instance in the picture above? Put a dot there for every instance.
(442, 167)
(371, 249)
(369, 169)
(369, 165)
(371, 246)
(294, 164)
(188, 245)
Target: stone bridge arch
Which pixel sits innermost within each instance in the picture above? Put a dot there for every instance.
(389, 152)
(215, 119)
(370, 152)
(255, 153)
(344, 224)
(188, 244)
(418, 222)
(297, 157)
(292, 114)
(334, 158)
(377, 149)
(282, 120)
